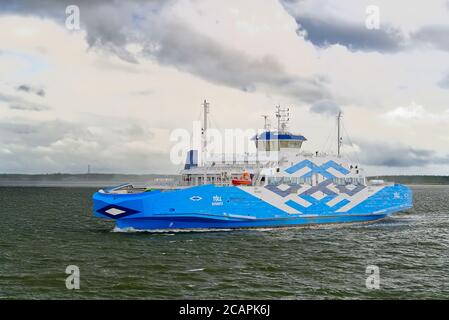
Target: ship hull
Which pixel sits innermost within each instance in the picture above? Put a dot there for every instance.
(232, 207)
(206, 224)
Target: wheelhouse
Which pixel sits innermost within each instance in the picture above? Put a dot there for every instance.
(274, 141)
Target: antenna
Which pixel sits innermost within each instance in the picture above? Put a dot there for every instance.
(266, 122)
(283, 116)
(203, 133)
(339, 139)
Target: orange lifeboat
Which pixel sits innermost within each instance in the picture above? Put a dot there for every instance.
(244, 180)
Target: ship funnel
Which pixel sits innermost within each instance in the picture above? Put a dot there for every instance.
(191, 159)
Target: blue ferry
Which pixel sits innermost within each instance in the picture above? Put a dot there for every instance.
(280, 186)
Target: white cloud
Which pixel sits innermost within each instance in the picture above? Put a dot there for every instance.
(107, 110)
(415, 114)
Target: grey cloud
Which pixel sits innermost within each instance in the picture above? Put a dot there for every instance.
(326, 107)
(24, 87)
(29, 89)
(435, 36)
(44, 133)
(323, 32)
(112, 25)
(178, 45)
(27, 106)
(397, 155)
(57, 8)
(444, 82)
(63, 146)
(17, 103)
(25, 133)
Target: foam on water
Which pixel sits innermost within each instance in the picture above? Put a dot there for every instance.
(259, 229)
(195, 270)
(166, 231)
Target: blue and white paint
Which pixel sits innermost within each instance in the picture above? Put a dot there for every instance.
(268, 205)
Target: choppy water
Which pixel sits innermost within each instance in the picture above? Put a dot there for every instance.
(42, 230)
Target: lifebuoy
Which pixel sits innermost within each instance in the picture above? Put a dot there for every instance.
(245, 179)
(240, 182)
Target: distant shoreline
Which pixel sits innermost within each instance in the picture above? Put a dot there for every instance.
(414, 180)
(99, 180)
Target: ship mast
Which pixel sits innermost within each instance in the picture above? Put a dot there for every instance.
(278, 116)
(266, 123)
(203, 133)
(339, 139)
(282, 114)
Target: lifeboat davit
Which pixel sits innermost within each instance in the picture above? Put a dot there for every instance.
(244, 180)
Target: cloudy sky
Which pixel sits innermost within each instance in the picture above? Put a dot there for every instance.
(110, 93)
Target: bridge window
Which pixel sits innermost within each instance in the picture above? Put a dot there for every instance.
(346, 181)
(290, 144)
(289, 180)
(275, 145)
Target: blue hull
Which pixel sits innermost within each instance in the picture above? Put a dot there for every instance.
(198, 223)
(213, 207)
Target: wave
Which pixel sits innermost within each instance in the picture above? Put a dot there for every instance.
(166, 231)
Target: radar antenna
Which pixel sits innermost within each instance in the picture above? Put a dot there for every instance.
(339, 138)
(267, 125)
(283, 117)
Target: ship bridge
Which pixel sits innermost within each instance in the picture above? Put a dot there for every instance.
(277, 141)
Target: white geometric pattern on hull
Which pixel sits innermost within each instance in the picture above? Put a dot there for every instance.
(114, 211)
